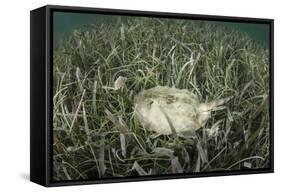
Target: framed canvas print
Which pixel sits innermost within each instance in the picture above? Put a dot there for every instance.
(122, 95)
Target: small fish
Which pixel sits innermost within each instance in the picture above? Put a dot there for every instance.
(120, 82)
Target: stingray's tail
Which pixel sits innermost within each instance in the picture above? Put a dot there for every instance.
(214, 105)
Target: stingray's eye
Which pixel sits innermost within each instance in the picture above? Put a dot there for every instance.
(150, 102)
(170, 99)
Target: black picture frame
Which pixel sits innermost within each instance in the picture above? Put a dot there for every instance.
(41, 35)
